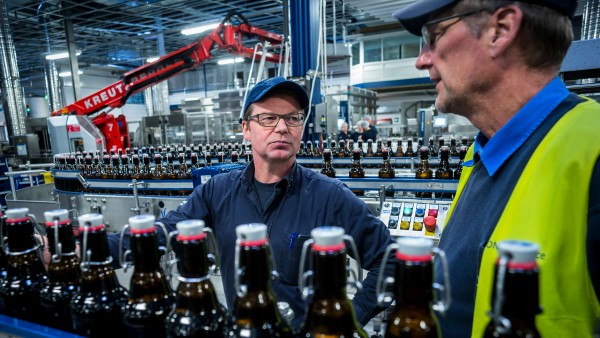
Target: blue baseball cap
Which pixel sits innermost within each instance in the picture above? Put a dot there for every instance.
(414, 16)
(275, 84)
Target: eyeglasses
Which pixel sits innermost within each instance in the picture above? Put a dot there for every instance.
(431, 37)
(272, 119)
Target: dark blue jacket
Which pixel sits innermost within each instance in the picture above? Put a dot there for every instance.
(307, 200)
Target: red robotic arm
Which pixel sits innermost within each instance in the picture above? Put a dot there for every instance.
(226, 36)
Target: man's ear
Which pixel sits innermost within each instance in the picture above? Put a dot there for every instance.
(504, 27)
(246, 130)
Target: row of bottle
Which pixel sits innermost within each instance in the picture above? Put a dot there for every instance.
(85, 296)
(343, 149)
(423, 171)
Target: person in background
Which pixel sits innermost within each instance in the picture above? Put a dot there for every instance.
(343, 134)
(372, 125)
(357, 133)
(290, 199)
(368, 133)
(533, 171)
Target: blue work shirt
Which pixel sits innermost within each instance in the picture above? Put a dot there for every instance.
(306, 200)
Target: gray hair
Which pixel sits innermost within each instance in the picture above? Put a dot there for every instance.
(364, 124)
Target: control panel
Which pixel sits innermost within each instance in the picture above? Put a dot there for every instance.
(416, 218)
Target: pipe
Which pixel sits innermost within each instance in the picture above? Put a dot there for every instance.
(10, 85)
(50, 72)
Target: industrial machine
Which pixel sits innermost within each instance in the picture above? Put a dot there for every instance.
(107, 131)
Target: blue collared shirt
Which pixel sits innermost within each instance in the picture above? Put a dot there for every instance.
(494, 152)
(306, 199)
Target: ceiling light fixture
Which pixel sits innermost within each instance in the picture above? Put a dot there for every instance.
(61, 55)
(199, 29)
(230, 61)
(65, 74)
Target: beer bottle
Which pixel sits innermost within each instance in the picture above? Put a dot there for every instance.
(235, 157)
(317, 149)
(357, 170)
(207, 159)
(327, 167)
(388, 144)
(412, 286)
(329, 311)
(221, 157)
(370, 152)
(146, 173)
(443, 172)
(309, 149)
(301, 151)
(125, 172)
(197, 311)
(116, 167)
(464, 141)
(334, 148)
(63, 271)
(136, 170)
(255, 313)
(409, 148)
(461, 158)
(424, 171)
(25, 272)
(453, 149)
(399, 150)
(106, 169)
(433, 151)
(441, 143)
(248, 156)
(194, 161)
(159, 172)
(96, 307)
(386, 170)
(378, 149)
(515, 296)
(171, 173)
(184, 173)
(150, 297)
(88, 169)
(360, 147)
(342, 150)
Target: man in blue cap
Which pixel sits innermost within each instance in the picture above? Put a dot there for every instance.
(533, 171)
(289, 199)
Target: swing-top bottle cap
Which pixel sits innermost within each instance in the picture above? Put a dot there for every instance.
(327, 235)
(251, 232)
(58, 214)
(16, 213)
(414, 246)
(518, 251)
(190, 227)
(142, 222)
(90, 220)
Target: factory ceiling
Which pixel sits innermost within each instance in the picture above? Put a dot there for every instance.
(122, 34)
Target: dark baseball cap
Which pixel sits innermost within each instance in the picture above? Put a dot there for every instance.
(263, 88)
(414, 16)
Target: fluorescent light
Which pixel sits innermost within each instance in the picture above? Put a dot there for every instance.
(62, 55)
(65, 74)
(199, 29)
(230, 61)
(152, 59)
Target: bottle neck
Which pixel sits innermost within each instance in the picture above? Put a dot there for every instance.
(413, 282)
(521, 293)
(20, 235)
(329, 273)
(255, 265)
(144, 248)
(65, 237)
(97, 245)
(193, 262)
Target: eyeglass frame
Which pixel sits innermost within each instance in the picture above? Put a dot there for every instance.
(425, 29)
(279, 117)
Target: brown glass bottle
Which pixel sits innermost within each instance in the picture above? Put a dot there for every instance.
(25, 273)
(357, 170)
(301, 151)
(235, 157)
(197, 311)
(399, 151)
(255, 312)
(96, 307)
(136, 169)
(519, 293)
(342, 150)
(150, 298)
(386, 170)
(360, 147)
(370, 152)
(207, 159)
(378, 149)
(433, 150)
(63, 271)
(146, 173)
(327, 167)
(413, 315)
(334, 148)
(309, 149)
(443, 172)
(329, 313)
(124, 171)
(183, 172)
(171, 173)
(423, 171)
(409, 148)
(116, 167)
(453, 149)
(159, 172)
(461, 158)
(194, 164)
(106, 168)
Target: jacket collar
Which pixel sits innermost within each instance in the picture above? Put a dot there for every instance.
(288, 182)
